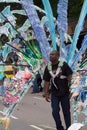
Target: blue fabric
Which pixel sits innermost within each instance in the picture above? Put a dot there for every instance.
(62, 23)
(83, 95)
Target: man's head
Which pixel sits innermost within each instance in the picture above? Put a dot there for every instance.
(54, 56)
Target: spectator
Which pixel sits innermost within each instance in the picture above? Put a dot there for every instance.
(37, 83)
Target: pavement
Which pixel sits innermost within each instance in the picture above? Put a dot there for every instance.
(33, 113)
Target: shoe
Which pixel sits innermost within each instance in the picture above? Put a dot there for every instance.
(34, 92)
(43, 95)
(41, 89)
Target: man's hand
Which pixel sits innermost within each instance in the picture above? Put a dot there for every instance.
(47, 94)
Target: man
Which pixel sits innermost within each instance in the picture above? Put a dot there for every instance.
(57, 77)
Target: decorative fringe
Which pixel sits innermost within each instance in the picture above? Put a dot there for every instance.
(50, 17)
(39, 31)
(62, 15)
(62, 22)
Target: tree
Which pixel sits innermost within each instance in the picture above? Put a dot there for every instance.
(74, 7)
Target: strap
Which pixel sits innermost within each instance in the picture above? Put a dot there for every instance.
(52, 79)
(57, 72)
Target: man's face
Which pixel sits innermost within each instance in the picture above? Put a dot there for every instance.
(54, 56)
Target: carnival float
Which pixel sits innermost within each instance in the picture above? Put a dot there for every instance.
(24, 51)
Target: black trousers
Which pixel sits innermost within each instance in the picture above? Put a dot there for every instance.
(65, 105)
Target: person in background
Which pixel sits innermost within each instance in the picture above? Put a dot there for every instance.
(39, 81)
(37, 87)
(57, 78)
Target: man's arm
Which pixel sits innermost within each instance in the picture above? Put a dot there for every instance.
(47, 86)
(68, 72)
(69, 80)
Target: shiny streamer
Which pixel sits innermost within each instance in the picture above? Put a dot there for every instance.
(78, 29)
(50, 17)
(81, 51)
(62, 21)
(39, 31)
